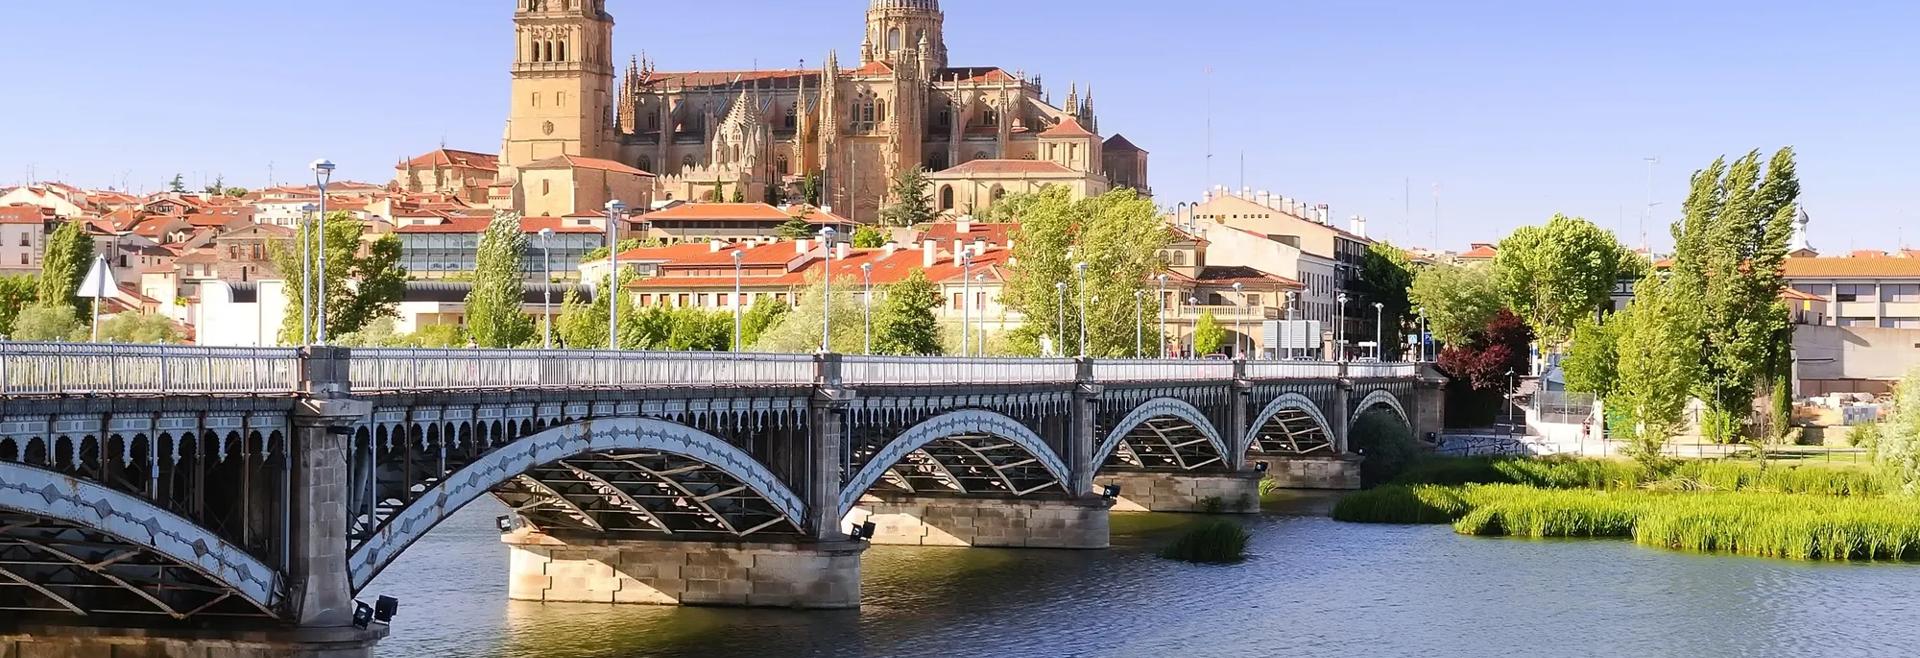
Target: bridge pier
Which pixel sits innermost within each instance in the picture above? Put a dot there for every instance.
(904, 520)
(1216, 493)
(1335, 472)
(597, 569)
(87, 642)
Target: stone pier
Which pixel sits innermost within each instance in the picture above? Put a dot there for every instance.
(1336, 472)
(587, 569)
(1225, 493)
(985, 522)
(85, 642)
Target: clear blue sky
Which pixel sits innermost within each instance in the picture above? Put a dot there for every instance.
(1516, 109)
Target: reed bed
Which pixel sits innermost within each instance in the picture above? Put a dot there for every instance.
(1617, 475)
(1214, 541)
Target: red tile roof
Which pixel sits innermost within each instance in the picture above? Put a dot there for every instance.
(1068, 127)
(875, 67)
(1239, 274)
(1797, 295)
(749, 211)
(975, 74)
(1852, 268)
(1008, 168)
(947, 232)
(886, 269)
(577, 162)
(445, 157)
(1480, 251)
(467, 224)
(20, 214)
(1120, 143)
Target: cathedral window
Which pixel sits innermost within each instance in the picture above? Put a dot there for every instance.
(990, 117)
(646, 164)
(793, 117)
(653, 121)
(562, 49)
(686, 163)
(979, 155)
(879, 111)
(893, 40)
(946, 197)
(780, 162)
(560, 99)
(536, 99)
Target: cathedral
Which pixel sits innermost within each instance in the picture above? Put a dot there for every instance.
(979, 132)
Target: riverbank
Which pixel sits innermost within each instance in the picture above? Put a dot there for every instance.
(1794, 512)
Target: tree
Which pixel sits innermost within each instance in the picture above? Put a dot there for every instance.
(904, 323)
(796, 229)
(798, 331)
(16, 293)
(698, 330)
(765, 312)
(178, 185)
(1554, 275)
(364, 281)
(1208, 336)
(1488, 354)
(50, 322)
(217, 187)
(68, 256)
(1657, 375)
(1457, 300)
(494, 313)
(1729, 249)
(626, 245)
(582, 323)
(867, 237)
(911, 203)
(810, 189)
(1118, 235)
(777, 194)
(1898, 448)
(717, 194)
(1386, 277)
(1592, 366)
(739, 194)
(236, 192)
(138, 328)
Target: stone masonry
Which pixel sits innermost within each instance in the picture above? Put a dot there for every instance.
(1340, 472)
(1237, 493)
(588, 569)
(985, 522)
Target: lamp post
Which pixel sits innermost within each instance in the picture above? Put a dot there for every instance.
(1239, 320)
(981, 279)
(1191, 302)
(1080, 269)
(1162, 301)
(1340, 330)
(307, 212)
(546, 288)
(826, 289)
(866, 272)
(1139, 324)
(1290, 301)
(1425, 348)
(322, 174)
(1060, 307)
(966, 302)
(1379, 329)
(615, 209)
(738, 256)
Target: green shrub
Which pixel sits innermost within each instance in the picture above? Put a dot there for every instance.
(1454, 471)
(1211, 542)
(1386, 442)
(1864, 436)
(1517, 511)
(1402, 504)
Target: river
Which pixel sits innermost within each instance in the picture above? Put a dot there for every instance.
(1310, 588)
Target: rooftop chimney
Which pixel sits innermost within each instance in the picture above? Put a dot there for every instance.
(927, 254)
(889, 249)
(841, 250)
(1357, 226)
(963, 226)
(979, 247)
(1320, 211)
(714, 246)
(802, 246)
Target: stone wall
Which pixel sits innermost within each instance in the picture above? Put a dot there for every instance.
(86, 642)
(594, 570)
(1236, 493)
(1340, 472)
(987, 522)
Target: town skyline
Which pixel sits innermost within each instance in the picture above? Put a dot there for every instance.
(1494, 170)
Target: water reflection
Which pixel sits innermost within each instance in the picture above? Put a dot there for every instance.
(1312, 588)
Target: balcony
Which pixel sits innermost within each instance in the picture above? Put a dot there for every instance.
(1225, 312)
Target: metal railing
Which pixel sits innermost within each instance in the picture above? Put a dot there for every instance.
(1381, 370)
(1226, 312)
(904, 370)
(29, 369)
(1161, 370)
(399, 370)
(1292, 370)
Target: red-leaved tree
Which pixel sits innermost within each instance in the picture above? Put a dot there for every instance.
(1489, 353)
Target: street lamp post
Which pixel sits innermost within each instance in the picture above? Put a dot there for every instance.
(322, 174)
(738, 256)
(1379, 331)
(1162, 301)
(307, 212)
(1060, 327)
(1239, 320)
(1139, 324)
(866, 272)
(546, 288)
(826, 289)
(1290, 301)
(981, 279)
(1080, 268)
(1340, 330)
(1194, 301)
(966, 302)
(615, 211)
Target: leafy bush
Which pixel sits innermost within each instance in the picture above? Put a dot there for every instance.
(1216, 541)
(1386, 442)
(1402, 504)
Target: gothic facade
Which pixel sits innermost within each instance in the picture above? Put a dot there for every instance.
(759, 135)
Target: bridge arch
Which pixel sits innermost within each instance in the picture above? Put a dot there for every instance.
(911, 445)
(1379, 398)
(1291, 424)
(549, 449)
(1176, 441)
(116, 541)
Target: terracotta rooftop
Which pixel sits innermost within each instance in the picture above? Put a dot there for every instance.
(1009, 168)
(947, 232)
(751, 211)
(577, 162)
(1121, 143)
(1069, 127)
(21, 214)
(975, 74)
(1851, 268)
(724, 78)
(1480, 251)
(886, 269)
(445, 157)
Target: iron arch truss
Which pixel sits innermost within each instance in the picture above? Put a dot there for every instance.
(1164, 433)
(1290, 425)
(610, 474)
(72, 546)
(971, 451)
(1379, 398)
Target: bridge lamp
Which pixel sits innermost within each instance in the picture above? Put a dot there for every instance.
(307, 212)
(362, 615)
(1195, 301)
(1139, 324)
(1340, 337)
(1162, 319)
(1080, 270)
(322, 174)
(738, 300)
(1060, 306)
(1239, 323)
(546, 287)
(615, 209)
(1379, 327)
(966, 302)
(866, 272)
(384, 608)
(1110, 491)
(981, 279)
(826, 290)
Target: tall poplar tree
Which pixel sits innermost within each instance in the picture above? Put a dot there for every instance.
(68, 256)
(1118, 235)
(495, 316)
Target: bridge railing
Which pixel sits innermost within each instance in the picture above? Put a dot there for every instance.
(1161, 370)
(78, 369)
(1381, 370)
(906, 370)
(402, 370)
(1292, 370)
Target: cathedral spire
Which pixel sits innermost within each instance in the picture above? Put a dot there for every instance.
(1073, 98)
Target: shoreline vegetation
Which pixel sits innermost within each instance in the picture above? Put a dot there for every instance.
(1794, 512)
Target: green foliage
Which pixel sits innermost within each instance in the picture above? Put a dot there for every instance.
(799, 330)
(1621, 475)
(16, 294)
(904, 323)
(911, 203)
(765, 312)
(629, 244)
(796, 229)
(437, 336)
(1117, 234)
(1386, 277)
(50, 323)
(1401, 504)
(716, 195)
(1516, 511)
(1215, 541)
(178, 185)
(582, 324)
(364, 281)
(138, 328)
(1554, 275)
(1729, 250)
(1592, 366)
(692, 330)
(494, 313)
(236, 192)
(739, 194)
(68, 256)
(810, 189)
(1386, 442)
(1897, 449)
(1866, 435)
(1656, 377)
(1208, 336)
(1458, 300)
(867, 237)
(1780, 408)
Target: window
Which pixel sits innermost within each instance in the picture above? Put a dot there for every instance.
(560, 99)
(646, 164)
(546, 188)
(536, 99)
(23, 259)
(1253, 299)
(1853, 292)
(879, 111)
(1901, 293)
(780, 162)
(956, 301)
(793, 118)
(893, 40)
(25, 239)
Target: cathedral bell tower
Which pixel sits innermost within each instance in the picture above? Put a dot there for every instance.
(562, 82)
(894, 26)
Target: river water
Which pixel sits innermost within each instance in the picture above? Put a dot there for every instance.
(1310, 588)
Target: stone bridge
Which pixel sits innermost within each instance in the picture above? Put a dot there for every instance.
(155, 496)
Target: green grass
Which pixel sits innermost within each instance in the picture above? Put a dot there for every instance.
(1426, 503)
(1215, 541)
(1618, 474)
